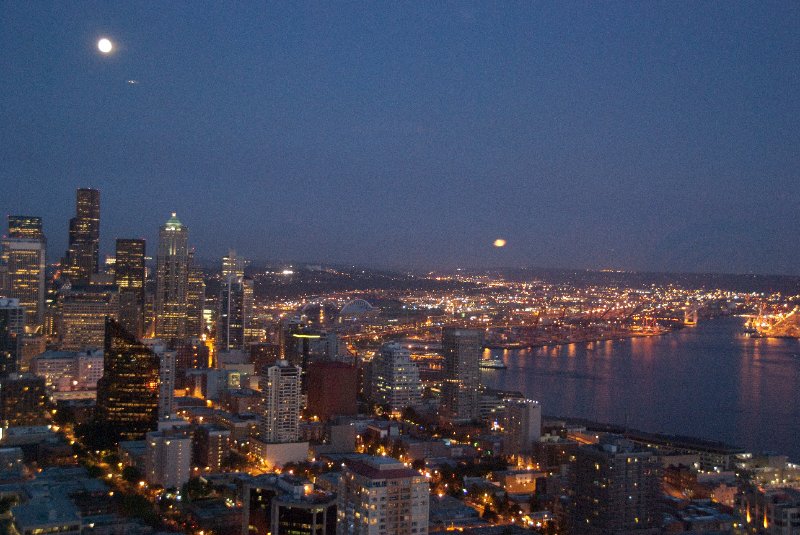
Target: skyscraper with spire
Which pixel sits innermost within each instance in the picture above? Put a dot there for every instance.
(83, 254)
(172, 281)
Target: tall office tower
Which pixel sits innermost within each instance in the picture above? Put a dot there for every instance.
(172, 281)
(129, 276)
(462, 352)
(381, 495)
(232, 265)
(83, 254)
(23, 254)
(166, 384)
(615, 489)
(12, 329)
(83, 311)
(235, 313)
(5, 286)
(280, 403)
(522, 425)
(196, 300)
(127, 394)
(286, 504)
(168, 457)
(395, 378)
(23, 400)
(26, 227)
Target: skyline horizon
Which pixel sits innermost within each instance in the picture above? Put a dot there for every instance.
(610, 135)
(107, 250)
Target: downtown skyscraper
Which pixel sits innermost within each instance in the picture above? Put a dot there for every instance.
(196, 300)
(462, 380)
(23, 256)
(235, 313)
(172, 281)
(83, 254)
(129, 276)
(128, 392)
(396, 378)
(280, 403)
(12, 327)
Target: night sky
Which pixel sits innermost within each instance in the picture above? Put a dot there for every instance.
(632, 135)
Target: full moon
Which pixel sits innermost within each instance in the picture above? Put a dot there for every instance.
(499, 242)
(104, 45)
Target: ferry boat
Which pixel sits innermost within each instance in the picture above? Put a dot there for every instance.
(492, 364)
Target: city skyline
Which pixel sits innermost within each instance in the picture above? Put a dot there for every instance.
(648, 138)
(400, 268)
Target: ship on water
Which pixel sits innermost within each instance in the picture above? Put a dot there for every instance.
(492, 363)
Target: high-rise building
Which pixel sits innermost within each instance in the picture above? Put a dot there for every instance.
(83, 254)
(395, 378)
(235, 313)
(166, 383)
(192, 354)
(196, 300)
(172, 281)
(381, 495)
(615, 489)
(522, 425)
(280, 403)
(332, 389)
(23, 400)
(461, 385)
(12, 329)
(127, 394)
(5, 285)
(23, 255)
(168, 457)
(286, 504)
(211, 446)
(26, 227)
(30, 346)
(83, 311)
(232, 265)
(129, 276)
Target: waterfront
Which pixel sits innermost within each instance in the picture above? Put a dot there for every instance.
(708, 381)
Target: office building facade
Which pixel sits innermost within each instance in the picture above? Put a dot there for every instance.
(461, 384)
(83, 254)
(381, 496)
(280, 403)
(128, 392)
(129, 276)
(395, 377)
(172, 279)
(12, 329)
(22, 254)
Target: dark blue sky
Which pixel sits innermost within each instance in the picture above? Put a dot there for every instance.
(638, 135)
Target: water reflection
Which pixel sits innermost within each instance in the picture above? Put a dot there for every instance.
(705, 381)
